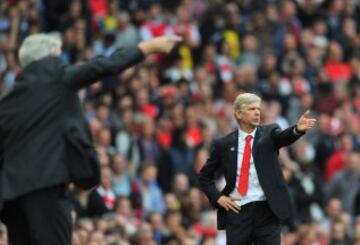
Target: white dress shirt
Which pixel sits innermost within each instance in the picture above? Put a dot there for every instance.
(255, 192)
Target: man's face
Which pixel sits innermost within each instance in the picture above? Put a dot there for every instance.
(249, 114)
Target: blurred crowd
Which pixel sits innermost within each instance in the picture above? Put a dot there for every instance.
(153, 124)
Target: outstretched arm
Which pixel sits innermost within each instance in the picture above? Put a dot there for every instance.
(290, 135)
(79, 76)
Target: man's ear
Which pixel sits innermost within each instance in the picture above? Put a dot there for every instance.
(238, 113)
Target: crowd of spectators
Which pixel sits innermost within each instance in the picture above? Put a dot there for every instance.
(153, 124)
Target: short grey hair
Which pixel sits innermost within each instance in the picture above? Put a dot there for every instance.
(244, 99)
(38, 46)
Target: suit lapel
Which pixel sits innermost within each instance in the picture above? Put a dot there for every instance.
(233, 148)
(255, 143)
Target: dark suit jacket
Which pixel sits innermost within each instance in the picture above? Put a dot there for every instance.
(266, 145)
(44, 139)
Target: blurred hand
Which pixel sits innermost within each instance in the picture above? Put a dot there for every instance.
(228, 203)
(305, 122)
(162, 44)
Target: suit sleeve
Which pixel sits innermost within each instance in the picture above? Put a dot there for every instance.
(206, 176)
(284, 137)
(79, 76)
(1, 153)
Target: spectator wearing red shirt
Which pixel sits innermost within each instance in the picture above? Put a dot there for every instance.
(336, 69)
(337, 160)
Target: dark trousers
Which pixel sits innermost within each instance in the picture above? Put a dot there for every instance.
(40, 217)
(254, 224)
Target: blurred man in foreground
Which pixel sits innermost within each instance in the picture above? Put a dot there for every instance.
(44, 139)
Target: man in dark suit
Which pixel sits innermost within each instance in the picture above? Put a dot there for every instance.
(255, 198)
(44, 140)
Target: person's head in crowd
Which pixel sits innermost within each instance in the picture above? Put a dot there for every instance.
(250, 44)
(123, 207)
(349, 27)
(144, 235)
(207, 134)
(142, 98)
(320, 28)
(304, 154)
(97, 238)
(75, 240)
(103, 137)
(273, 82)
(209, 54)
(346, 219)
(288, 10)
(191, 116)
(232, 14)
(307, 38)
(134, 85)
(353, 162)
(95, 126)
(155, 12)
(306, 101)
(183, 15)
(105, 178)
(206, 93)
(125, 102)
(183, 88)
(119, 164)
(334, 52)
(338, 232)
(289, 43)
(102, 113)
(123, 18)
(163, 124)
(104, 158)
(75, 9)
(127, 119)
(102, 224)
(173, 219)
(200, 75)
(271, 13)
(334, 208)
(81, 236)
(193, 204)
(245, 76)
(181, 185)
(336, 7)
(86, 223)
(313, 57)
(148, 173)
(156, 221)
(171, 201)
(259, 20)
(345, 143)
(274, 109)
(148, 128)
(224, 48)
(269, 62)
(38, 46)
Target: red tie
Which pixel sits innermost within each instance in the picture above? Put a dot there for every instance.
(244, 173)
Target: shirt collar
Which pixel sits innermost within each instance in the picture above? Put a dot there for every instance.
(243, 134)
